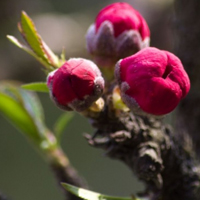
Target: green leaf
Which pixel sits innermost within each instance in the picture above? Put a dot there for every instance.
(30, 34)
(52, 58)
(62, 56)
(37, 87)
(28, 50)
(18, 44)
(17, 115)
(61, 123)
(89, 195)
(36, 46)
(23, 110)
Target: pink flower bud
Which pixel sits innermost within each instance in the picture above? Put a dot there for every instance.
(76, 84)
(152, 81)
(119, 31)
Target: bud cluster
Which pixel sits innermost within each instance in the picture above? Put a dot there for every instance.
(150, 81)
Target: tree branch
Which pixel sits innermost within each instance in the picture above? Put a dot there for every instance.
(160, 157)
(63, 170)
(150, 149)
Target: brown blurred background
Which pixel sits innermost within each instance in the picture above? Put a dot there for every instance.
(23, 173)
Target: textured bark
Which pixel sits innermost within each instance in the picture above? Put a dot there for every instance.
(149, 148)
(187, 26)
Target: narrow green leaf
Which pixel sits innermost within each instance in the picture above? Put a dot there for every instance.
(82, 193)
(52, 58)
(37, 87)
(28, 50)
(23, 110)
(17, 43)
(62, 56)
(89, 195)
(29, 32)
(61, 123)
(20, 45)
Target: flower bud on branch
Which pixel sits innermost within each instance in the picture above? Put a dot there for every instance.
(119, 31)
(152, 81)
(76, 84)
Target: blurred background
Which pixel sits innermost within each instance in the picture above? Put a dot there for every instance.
(63, 23)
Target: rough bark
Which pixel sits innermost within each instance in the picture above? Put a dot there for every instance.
(150, 149)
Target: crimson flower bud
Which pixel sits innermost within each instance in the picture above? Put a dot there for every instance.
(76, 84)
(119, 31)
(152, 80)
